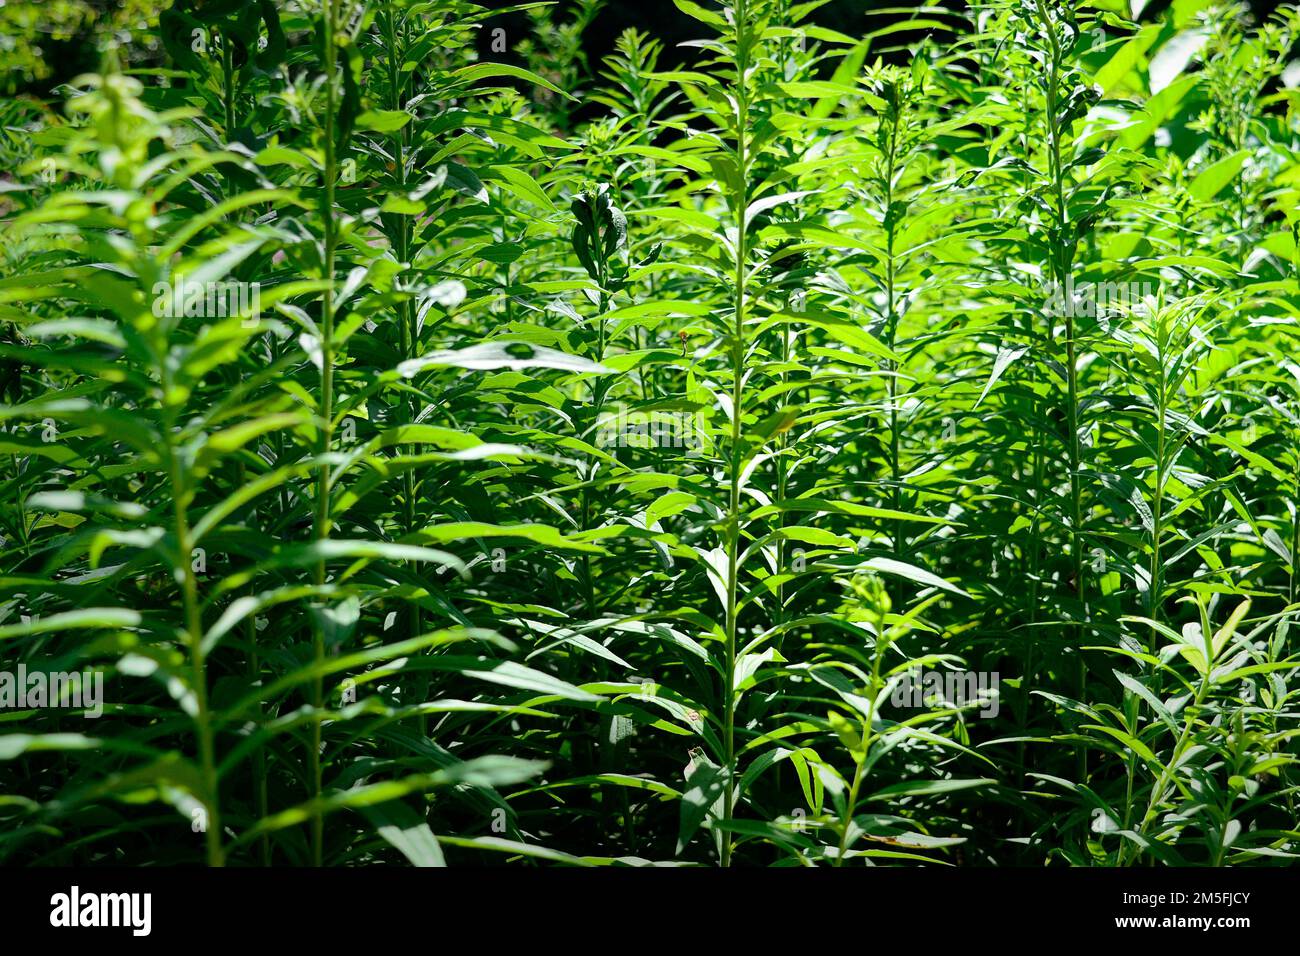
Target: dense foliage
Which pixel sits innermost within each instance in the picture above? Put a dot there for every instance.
(871, 445)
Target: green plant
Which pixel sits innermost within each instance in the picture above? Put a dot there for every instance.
(824, 444)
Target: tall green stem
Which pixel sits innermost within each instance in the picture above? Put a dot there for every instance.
(1158, 790)
(599, 390)
(1158, 496)
(181, 495)
(1062, 267)
(739, 204)
(321, 524)
(402, 248)
(859, 772)
(1293, 584)
(891, 323)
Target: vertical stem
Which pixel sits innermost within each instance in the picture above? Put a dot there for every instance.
(405, 313)
(261, 803)
(1168, 770)
(1293, 584)
(782, 482)
(860, 769)
(598, 391)
(1039, 437)
(1295, 522)
(1157, 505)
(740, 203)
(1063, 266)
(228, 84)
(320, 529)
(194, 638)
(891, 323)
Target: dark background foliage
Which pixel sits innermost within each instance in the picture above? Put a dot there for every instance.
(68, 56)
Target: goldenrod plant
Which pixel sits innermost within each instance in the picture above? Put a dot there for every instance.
(471, 435)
